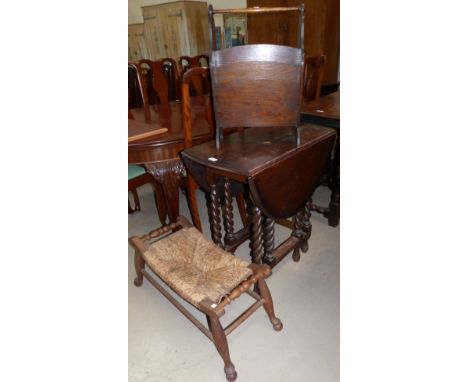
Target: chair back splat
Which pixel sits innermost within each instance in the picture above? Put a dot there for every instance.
(161, 80)
(259, 84)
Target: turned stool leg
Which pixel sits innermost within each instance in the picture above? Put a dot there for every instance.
(139, 266)
(268, 305)
(220, 341)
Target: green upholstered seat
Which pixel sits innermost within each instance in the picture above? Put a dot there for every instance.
(134, 171)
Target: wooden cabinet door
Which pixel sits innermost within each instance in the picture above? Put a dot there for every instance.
(173, 31)
(176, 29)
(152, 32)
(136, 43)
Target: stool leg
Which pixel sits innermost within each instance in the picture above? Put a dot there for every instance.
(220, 341)
(268, 305)
(139, 266)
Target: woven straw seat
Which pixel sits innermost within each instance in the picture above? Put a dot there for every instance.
(195, 267)
(202, 273)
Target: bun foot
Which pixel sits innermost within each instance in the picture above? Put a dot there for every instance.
(231, 374)
(138, 281)
(296, 255)
(277, 324)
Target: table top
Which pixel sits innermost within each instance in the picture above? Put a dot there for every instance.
(168, 145)
(249, 152)
(326, 107)
(140, 130)
(281, 174)
(169, 116)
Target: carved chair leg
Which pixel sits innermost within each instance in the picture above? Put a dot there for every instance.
(268, 305)
(220, 341)
(136, 199)
(139, 266)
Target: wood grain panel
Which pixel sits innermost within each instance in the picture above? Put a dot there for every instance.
(152, 32)
(136, 43)
(196, 15)
(256, 86)
(176, 29)
(321, 29)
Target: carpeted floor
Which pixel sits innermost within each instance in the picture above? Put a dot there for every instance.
(164, 346)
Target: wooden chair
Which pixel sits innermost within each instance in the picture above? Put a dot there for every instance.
(200, 86)
(135, 173)
(161, 80)
(158, 83)
(191, 76)
(187, 62)
(138, 102)
(134, 95)
(205, 276)
(137, 177)
(259, 84)
(314, 68)
(190, 186)
(148, 112)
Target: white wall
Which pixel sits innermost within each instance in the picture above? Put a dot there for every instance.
(134, 7)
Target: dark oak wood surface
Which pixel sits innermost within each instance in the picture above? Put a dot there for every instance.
(325, 107)
(256, 85)
(263, 158)
(321, 29)
(244, 155)
(279, 175)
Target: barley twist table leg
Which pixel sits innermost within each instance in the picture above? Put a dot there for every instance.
(215, 216)
(256, 235)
